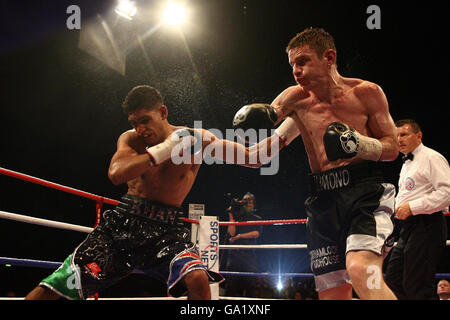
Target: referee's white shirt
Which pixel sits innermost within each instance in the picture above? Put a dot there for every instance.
(425, 182)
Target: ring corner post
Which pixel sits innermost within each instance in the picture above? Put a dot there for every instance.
(209, 248)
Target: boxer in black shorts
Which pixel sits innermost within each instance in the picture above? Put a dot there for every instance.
(144, 232)
(344, 123)
(137, 235)
(350, 209)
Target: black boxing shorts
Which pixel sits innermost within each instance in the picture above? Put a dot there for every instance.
(350, 208)
(137, 235)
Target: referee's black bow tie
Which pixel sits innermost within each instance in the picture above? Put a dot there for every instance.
(408, 156)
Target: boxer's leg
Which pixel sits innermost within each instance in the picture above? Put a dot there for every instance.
(197, 284)
(370, 226)
(365, 271)
(63, 282)
(342, 292)
(187, 272)
(327, 255)
(42, 293)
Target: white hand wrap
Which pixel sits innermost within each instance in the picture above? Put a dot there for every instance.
(162, 152)
(282, 137)
(287, 131)
(369, 148)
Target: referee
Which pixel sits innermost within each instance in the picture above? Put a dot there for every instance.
(423, 196)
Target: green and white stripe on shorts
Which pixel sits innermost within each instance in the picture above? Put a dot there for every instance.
(65, 281)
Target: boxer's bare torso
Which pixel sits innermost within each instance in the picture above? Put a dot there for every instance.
(328, 98)
(167, 183)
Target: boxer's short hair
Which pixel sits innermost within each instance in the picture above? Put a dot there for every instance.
(316, 38)
(143, 96)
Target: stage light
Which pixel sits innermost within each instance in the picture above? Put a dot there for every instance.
(279, 285)
(174, 14)
(126, 9)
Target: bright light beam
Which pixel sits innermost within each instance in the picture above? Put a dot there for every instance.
(279, 285)
(126, 9)
(174, 14)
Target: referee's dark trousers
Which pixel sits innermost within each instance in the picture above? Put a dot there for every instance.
(413, 262)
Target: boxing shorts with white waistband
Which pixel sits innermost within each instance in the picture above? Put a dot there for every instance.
(350, 209)
(138, 234)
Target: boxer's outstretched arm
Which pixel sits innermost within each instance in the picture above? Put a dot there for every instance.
(287, 102)
(229, 151)
(253, 156)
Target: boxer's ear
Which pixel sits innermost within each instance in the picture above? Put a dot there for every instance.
(330, 56)
(164, 112)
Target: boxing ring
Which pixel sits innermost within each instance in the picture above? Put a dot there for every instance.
(99, 201)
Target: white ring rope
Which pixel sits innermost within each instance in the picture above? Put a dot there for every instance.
(44, 222)
(100, 200)
(74, 227)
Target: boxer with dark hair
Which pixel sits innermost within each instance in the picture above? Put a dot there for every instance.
(145, 231)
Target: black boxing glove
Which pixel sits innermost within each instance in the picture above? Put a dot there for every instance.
(255, 116)
(342, 142)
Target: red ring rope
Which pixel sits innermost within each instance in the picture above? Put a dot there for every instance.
(100, 200)
(263, 222)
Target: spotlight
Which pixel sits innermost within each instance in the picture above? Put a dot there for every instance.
(174, 14)
(279, 285)
(126, 9)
